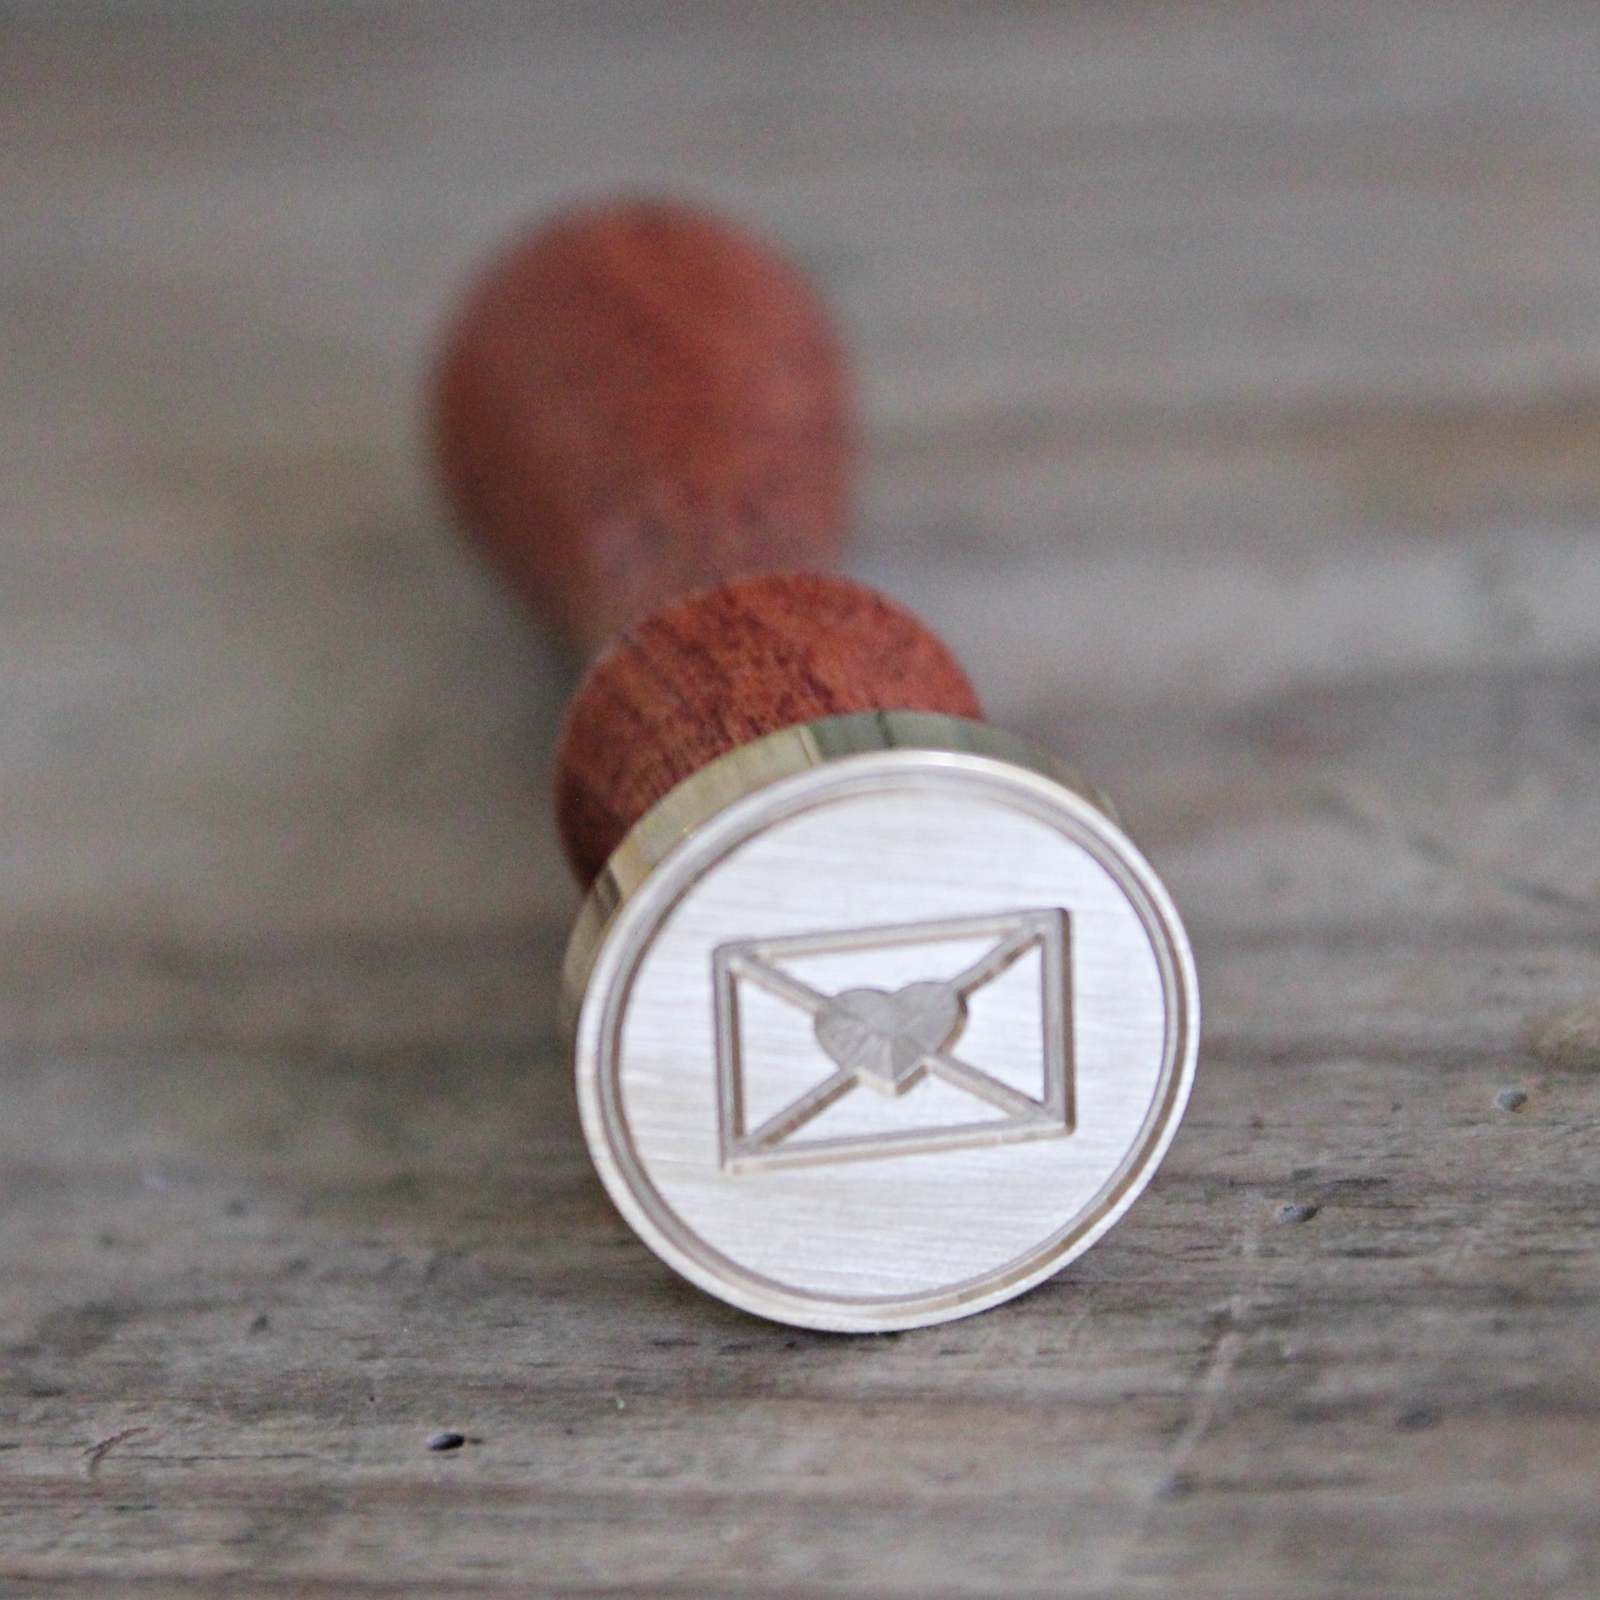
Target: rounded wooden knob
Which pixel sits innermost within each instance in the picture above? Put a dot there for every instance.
(638, 400)
(725, 667)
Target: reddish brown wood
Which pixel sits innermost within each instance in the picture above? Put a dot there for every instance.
(639, 400)
(725, 667)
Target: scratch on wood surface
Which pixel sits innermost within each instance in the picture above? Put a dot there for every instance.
(1368, 818)
(1212, 1380)
(96, 1453)
(1569, 1040)
(1208, 1389)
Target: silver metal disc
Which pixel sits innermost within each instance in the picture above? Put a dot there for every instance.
(879, 1021)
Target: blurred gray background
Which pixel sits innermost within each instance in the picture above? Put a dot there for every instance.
(1232, 384)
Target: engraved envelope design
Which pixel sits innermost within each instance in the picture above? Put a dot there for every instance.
(869, 1042)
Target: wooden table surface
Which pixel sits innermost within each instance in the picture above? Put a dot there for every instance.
(1233, 382)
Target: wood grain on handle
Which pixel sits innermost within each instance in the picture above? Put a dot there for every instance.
(725, 667)
(637, 400)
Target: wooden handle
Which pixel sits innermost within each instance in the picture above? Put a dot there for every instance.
(638, 400)
(722, 668)
(638, 404)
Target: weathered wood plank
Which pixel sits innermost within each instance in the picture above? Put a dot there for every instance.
(1232, 374)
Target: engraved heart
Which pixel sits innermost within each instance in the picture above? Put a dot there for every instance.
(885, 1038)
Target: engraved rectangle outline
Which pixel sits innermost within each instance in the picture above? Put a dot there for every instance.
(1051, 930)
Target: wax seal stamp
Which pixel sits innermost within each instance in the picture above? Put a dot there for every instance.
(877, 1016)
(879, 1023)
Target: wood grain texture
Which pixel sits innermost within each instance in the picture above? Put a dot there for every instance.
(722, 668)
(1231, 387)
(638, 399)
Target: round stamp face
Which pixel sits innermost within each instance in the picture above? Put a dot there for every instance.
(887, 1040)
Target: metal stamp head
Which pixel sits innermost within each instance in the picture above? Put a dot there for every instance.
(879, 1021)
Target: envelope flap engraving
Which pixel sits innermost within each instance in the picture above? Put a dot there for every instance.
(900, 1044)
